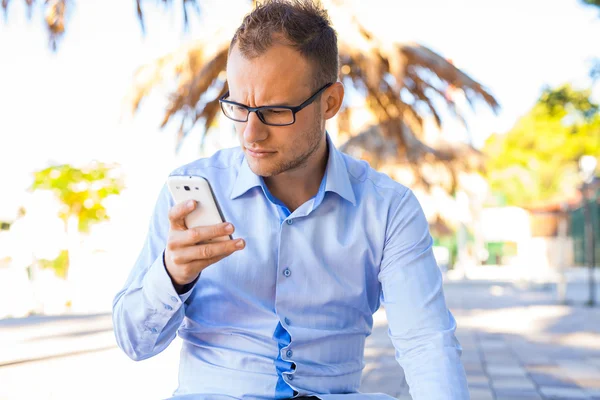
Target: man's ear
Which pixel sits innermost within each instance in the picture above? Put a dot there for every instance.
(333, 98)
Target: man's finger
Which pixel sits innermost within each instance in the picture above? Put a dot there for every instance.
(193, 236)
(207, 251)
(178, 213)
(196, 267)
(200, 266)
(202, 234)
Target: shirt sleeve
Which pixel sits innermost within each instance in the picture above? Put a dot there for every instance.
(147, 311)
(420, 325)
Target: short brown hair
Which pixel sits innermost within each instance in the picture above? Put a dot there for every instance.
(303, 25)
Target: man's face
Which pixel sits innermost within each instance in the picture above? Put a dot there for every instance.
(280, 76)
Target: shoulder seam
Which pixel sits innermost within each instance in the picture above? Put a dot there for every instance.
(389, 188)
(367, 178)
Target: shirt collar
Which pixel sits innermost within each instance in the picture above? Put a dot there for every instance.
(337, 178)
(245, 180)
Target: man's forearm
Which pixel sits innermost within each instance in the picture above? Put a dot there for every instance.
(433, 367)
(147, 312)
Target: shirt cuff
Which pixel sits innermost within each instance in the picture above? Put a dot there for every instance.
(160, 288)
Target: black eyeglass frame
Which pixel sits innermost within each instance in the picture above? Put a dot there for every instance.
(258, 110)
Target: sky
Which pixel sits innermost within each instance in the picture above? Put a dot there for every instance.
(69, 106)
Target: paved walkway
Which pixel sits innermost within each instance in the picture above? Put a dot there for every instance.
(518, 344)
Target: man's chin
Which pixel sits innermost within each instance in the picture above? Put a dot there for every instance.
(265, 171)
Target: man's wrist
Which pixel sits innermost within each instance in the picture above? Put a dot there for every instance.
(180, 289)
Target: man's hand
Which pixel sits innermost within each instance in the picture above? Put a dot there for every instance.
(187, 252)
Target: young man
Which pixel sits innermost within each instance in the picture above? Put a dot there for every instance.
(322, 241)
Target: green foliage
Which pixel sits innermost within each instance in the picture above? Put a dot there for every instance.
(81, 191)
(536, 161)
(592, 2)
(60, 264)
(565, 100)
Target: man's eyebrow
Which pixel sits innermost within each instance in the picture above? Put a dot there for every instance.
(279, 103)
(273, 103)
(268, 103)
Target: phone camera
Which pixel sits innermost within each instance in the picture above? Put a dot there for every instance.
(186, 188)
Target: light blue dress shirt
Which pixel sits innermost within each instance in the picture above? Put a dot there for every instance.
(289, 314)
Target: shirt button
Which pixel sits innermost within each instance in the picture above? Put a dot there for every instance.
(289, 354)
(286, 320)
(290, 221)
(173, 298)
(290, 377)
(287, 272)
(153, 330)
(168, 307)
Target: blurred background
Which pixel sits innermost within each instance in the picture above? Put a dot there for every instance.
(487, 110)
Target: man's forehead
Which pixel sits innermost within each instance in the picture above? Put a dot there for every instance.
(276, 73)
(277, 55)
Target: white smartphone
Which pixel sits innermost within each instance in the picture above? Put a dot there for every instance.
(207, 211)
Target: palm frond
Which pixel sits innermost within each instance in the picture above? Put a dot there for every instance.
(55, 17)
(440, 166)
(193, 4)
(198, 75)
(191, 87)
(402, 84)
(5, 3)
(419, 57)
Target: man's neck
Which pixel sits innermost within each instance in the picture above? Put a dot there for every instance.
(296, 187)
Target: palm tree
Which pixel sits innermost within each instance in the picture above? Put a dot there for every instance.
(403, 84)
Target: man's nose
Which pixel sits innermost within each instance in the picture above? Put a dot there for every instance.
(255, 130)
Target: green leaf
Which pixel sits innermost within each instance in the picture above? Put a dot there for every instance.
(536, 161)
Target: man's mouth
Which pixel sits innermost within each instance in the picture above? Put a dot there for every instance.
(259, 153)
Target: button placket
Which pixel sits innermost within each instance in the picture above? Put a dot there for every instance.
(284, 272)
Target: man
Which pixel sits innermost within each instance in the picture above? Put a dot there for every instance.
(321, 241)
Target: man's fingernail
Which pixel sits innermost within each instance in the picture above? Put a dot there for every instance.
(190, 203)
(229, 228)
(239, 244)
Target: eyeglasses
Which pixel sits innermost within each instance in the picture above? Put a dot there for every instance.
(268, 115)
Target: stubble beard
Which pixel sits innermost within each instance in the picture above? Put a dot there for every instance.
(301, 160)
(314, 136)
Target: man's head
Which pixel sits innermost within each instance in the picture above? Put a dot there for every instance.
(282, 54)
